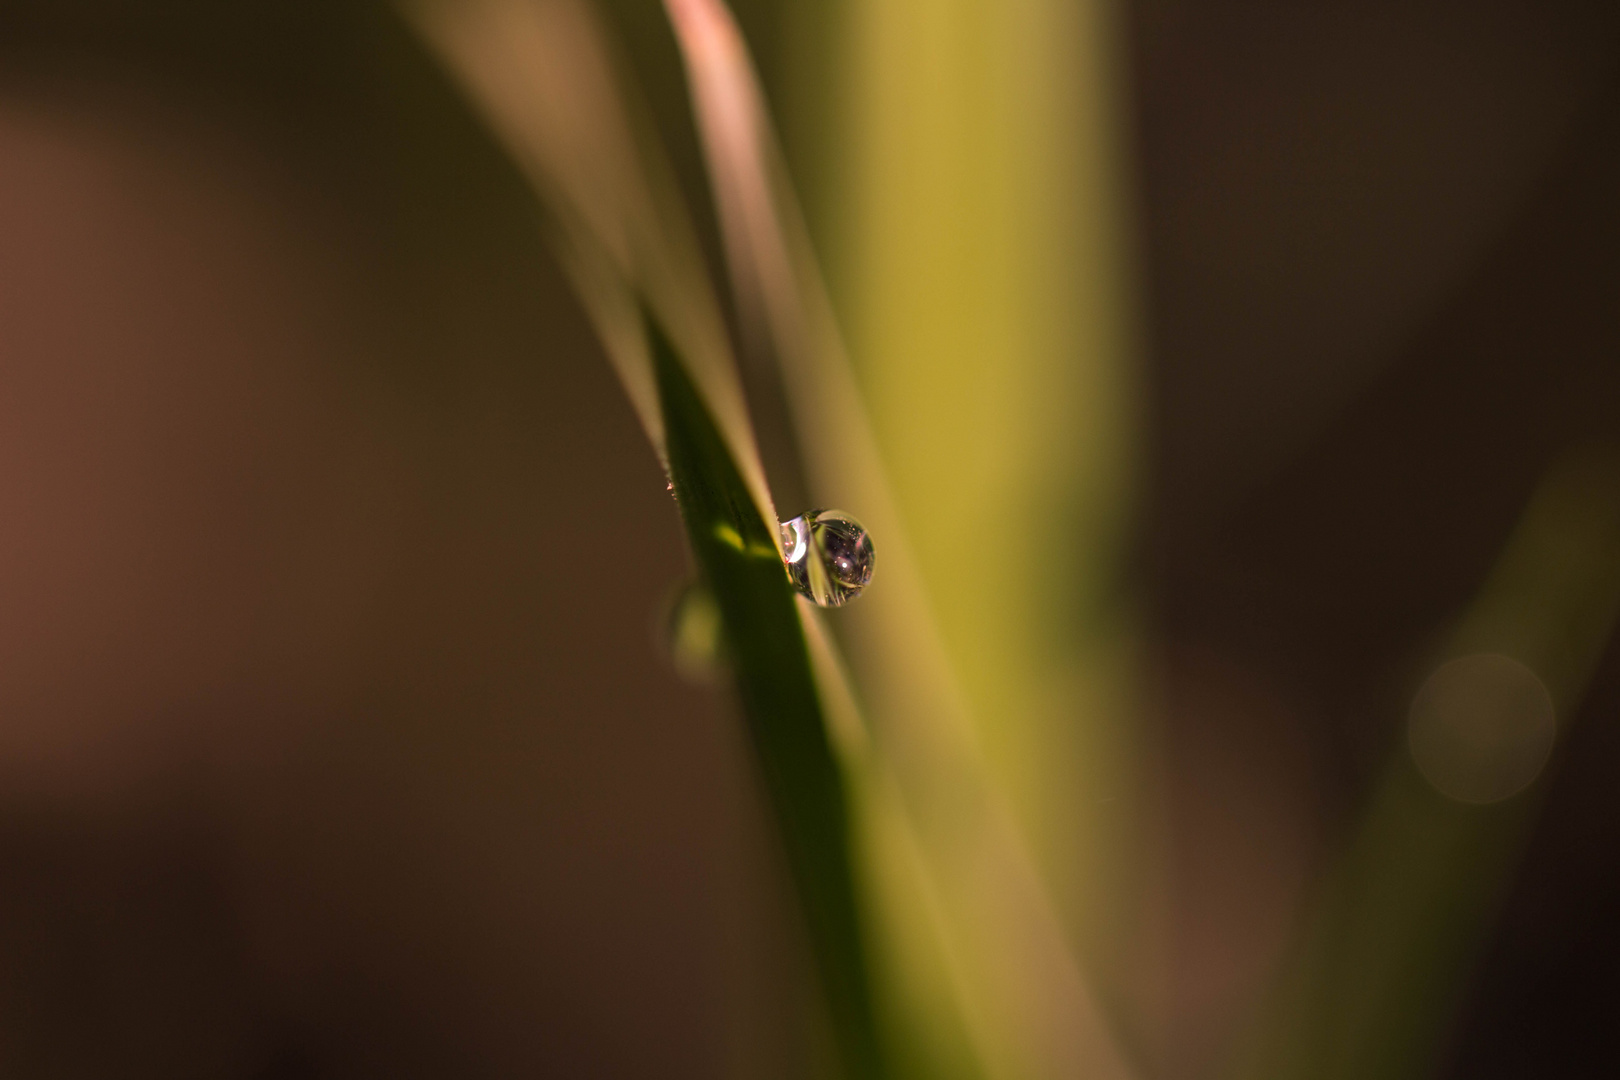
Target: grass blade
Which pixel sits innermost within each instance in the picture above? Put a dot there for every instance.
(766, 643)
(978, 224)
(1017, 987)
(541, 73)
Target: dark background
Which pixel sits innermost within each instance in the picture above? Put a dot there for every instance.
(334, 736)
(1382, 251)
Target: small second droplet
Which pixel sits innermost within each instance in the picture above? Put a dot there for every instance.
(828, 554)
(694, 634)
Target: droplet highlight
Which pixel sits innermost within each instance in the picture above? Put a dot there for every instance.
(828, 555)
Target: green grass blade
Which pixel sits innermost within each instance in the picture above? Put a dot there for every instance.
(1012, 1001)
(804, 780)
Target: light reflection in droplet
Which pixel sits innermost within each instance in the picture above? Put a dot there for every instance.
(1481, 728)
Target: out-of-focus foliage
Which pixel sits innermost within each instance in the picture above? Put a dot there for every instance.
(975, 210)
(980, 818)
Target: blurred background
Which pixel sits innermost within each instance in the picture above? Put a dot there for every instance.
(336, 733)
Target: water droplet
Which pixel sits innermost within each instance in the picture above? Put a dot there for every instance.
(828, 555)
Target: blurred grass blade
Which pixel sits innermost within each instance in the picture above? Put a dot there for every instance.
(922, 980)
(1022, 997)
(541, 74)
(977, 219)
(734, 549)
(1402, 915)
(543, 77)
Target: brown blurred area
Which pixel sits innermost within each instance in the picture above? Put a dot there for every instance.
(334, 740)
(334, 737)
